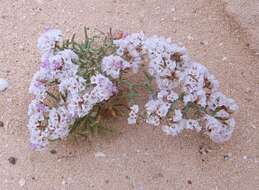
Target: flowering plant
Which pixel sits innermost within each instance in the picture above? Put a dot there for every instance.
(81, 85)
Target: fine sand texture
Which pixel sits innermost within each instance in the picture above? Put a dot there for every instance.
(133, 158)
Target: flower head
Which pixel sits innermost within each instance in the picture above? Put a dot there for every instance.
(48, 40)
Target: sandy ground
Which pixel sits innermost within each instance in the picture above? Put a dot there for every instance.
(136, 158)
(246, 15)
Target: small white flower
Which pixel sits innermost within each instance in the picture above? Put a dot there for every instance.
(177, 115)
(193, 125)
(217, 99)
(151, 106)
(132, 119)
(222, 114)
(72, 85)
(176, 129)
(113, 65)
(166, 129)
(36, 106)
(219, 132)
(165, 84)
(49, 39)
(131, 44)
(153, 120)
(59, 122)
(38, 135)
(193, 82)
(161, 94)
(172, 96)
(134, 108)
(163, 108)
(38, 85)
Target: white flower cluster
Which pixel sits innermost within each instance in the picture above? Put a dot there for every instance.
(129, 48)
(187, 96)
(113, 65)
(57, 80)
(180, 81)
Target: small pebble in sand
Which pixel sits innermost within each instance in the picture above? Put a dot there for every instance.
(189, 37)
(127, 177)
(173, 9)
(91, 185)
(64, 182)
(204, 149)
(224, 58)
(158, 175)
(244, 157)
(99, 155)
(204, 43)
(1, 124)
(21, 47)
(248, 90)
(12, 160)
(22, 182)
(227, 156)
(53, 151)
(3, 84)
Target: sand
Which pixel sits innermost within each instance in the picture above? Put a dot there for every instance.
(133, 158)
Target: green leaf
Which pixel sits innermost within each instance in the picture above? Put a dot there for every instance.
(73, 40)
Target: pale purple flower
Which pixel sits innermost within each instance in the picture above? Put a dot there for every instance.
(132, 119)
(48, 40)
